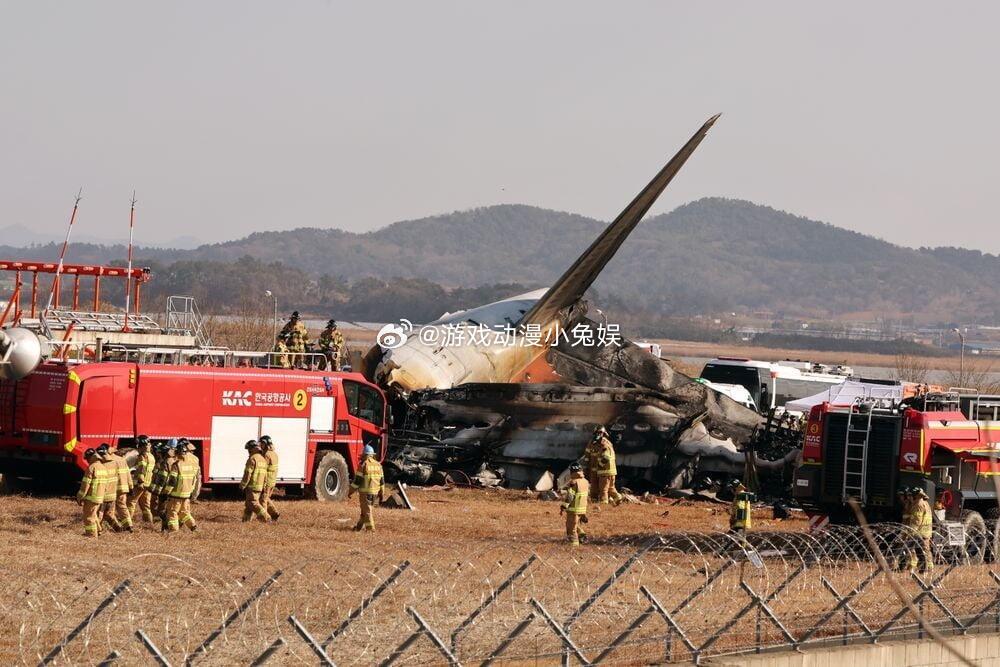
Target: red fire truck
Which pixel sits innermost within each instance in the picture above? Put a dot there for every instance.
(319, 421)
(945, 443)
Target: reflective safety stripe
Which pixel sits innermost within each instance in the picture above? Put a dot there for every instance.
(740, 514)
(71, 445)
(369, 477)
(576, 499)
(69, 408)
(73, 377)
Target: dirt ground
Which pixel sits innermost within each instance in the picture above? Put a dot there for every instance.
(184, 584)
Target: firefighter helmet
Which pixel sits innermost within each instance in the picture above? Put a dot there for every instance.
(295, 315)
(142, 441)
(183, 445)
(103, 449)
(332, 324)
(368, 450)
(265, 441)
(90, 453)
(252, 444)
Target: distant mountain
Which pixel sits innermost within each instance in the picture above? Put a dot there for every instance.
(711, 255)
(21, 236)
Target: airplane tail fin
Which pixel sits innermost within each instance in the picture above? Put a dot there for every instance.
(579, 277)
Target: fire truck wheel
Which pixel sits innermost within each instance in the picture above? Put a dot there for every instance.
(332, 479)
(992, 518)
(976, 542)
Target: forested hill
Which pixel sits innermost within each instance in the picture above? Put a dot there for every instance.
(707, 256)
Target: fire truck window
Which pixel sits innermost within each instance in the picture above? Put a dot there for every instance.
(364, 402)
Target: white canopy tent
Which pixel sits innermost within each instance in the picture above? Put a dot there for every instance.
(846, 393)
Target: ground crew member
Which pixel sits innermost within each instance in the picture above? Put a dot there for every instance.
(266, 500)
(91, 493)
(921, 522)
(575, 505)
(331, 344)
(281, 352)
(181, 482)
(122, 514)
(368, 483)
(607, 470)
(254, 476)
(740, 519)
(107, 512)
(142, 480)
(590, 460)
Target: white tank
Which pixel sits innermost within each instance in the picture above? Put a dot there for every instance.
(21, 351)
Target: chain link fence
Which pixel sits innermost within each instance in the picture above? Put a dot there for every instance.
(651, 598)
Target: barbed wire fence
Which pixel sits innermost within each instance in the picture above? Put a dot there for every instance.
(652, 598)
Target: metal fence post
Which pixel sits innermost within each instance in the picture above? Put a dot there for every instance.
(239, 611)
(57, 649)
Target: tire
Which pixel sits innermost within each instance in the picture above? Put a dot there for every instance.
(977, 538)
(332, 479)
(992, 519)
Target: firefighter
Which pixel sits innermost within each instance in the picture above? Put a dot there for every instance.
(107, 512)
(252, 485)
(368, 483)
(575, 505)
(122, 514)
(143, 480)
(281, 352)
(902, 542)
(181, 482)
(91, 493)
(160, 482)
(922, 523)
(607, 470)
(591, 455)
(740, 518)
(297, 339)
(271, 481)
(331, 344)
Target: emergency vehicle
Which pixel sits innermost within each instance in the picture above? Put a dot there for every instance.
(319, 421)
(71, 379)
(772, 384)
(945, 443)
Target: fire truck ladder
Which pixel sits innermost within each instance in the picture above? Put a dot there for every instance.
(859, 426)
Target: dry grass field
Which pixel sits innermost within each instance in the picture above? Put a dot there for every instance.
(435, 565)
(459, 542)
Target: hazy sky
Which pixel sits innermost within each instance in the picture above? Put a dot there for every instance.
(239, 116)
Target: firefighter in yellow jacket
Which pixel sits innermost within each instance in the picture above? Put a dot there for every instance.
(124, 489)
(921, 521)
(740, 517)
(181, 483)
(107, 511)
(159, 488)
(368, 483)
(575, 505)
(252, 484)
(607, 471)
(142, 481)
(266, 496)
(591, 456)
(91, 493)
(331, 344)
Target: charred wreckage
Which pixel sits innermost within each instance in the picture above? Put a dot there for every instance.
(491, 413)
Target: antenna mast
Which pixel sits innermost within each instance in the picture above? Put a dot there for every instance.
(128, 276)
(62, 257)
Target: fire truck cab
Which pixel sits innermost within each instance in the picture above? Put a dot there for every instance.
(319, 421)
(944, 443)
